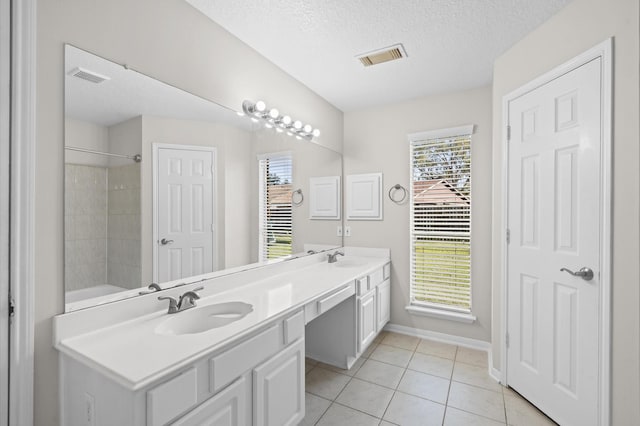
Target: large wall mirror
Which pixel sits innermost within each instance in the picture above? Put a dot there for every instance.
(162, 186)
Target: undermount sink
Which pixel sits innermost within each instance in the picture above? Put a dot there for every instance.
(204, 318)
(349, 263)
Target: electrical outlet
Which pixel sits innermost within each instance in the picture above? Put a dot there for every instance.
(89, 409)
(339, 231)
(347, 231)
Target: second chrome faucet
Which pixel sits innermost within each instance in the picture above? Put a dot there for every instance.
(184, 302)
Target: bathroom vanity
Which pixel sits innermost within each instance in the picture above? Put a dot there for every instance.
(237, 358)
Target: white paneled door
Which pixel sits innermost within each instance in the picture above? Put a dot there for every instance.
(554, 221)
(185, 234)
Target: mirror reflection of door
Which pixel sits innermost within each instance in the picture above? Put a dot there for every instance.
(184, 197)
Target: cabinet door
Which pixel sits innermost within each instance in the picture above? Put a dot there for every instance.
(278, 388)
(366, 320)
(227, 408)
(384, 303)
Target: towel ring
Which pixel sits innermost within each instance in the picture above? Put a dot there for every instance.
(393, 190)
(293, 197)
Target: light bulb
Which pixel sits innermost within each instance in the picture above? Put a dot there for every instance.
(286, 120)
(261, 106)
(308, 128)
(316, 133)
(297, 125)
(274, 113)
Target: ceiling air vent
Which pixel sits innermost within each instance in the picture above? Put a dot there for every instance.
(85, 74)
(387, 54)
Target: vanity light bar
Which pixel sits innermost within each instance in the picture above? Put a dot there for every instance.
(272, 119)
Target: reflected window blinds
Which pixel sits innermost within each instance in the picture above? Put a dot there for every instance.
(441, 221)
(275, 221)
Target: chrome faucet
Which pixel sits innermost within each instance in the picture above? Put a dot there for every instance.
(153, 287)
(333, 258)
(184, 302)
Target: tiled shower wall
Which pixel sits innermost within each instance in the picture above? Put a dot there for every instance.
(123, 229)
(85, 226)
(102, 226)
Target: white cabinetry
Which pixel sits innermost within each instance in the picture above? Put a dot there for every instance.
(374, 309)
(227, 408)
(258, 378)
(278, 388)
(383, 296)
(367, 320)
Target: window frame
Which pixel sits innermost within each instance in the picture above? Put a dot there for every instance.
(263, 234)
(438, 310)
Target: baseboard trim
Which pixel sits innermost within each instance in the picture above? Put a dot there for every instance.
(452, 340)
(440, 337)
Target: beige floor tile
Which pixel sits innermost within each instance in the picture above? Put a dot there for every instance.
(409, 410)
(429, 364)
(425, 386)
(314, 407)
(401, 341)
(338, 415)
(324, 383)
(367, 397)
(477, 376)
(455, 417)
(372, 347)
(350, 372)
(380, 336)
(508, 391)
(380, 373)
(309, 364)
(386, 423)
(521, 413)
(472, 356)
(431, 347)
(391, 355)
(477, 400)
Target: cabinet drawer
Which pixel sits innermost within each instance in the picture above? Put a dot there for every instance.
(231, 364)
(375, 278)
(172, 398)
(228, 407)
(332, 300)
(293, 327)
(362, 285)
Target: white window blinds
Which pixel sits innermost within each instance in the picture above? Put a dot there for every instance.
(441, 219)
(275, 227)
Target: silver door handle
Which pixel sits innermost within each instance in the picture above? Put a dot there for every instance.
(164, 241)
(584, 273)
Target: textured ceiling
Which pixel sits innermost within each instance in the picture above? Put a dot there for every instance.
(451, 44)
(130, 94)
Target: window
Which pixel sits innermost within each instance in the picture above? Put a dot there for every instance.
(275, 230)
(441, 219)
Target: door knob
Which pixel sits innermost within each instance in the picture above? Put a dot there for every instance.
(584, 273)
(164, 241)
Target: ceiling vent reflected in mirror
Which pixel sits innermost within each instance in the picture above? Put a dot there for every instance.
(91, 76)
(380, 56)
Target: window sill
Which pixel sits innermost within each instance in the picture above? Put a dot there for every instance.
(467, 318)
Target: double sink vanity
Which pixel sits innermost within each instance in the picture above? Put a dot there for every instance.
(237, 357)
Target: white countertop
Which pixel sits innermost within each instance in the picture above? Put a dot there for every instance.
(131, 353)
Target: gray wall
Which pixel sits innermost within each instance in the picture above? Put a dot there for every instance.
(575, 29)
(376, 141)
(165, 39)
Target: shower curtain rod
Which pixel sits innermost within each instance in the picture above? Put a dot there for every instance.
(137, 158)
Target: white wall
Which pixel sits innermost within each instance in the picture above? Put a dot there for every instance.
(576, 28)
(82, 134)
(165, 39)
(376, 141)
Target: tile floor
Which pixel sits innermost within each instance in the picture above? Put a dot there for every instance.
(403, 380)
